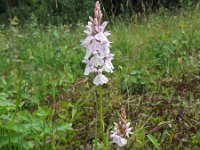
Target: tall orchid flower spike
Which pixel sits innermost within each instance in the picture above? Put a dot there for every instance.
(98, 58)
(121, 130)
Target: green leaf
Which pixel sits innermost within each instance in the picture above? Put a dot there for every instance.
(15, 138)
(56, 34)
(24, 115)
(62, 126)
(38, 125)
(19, 127)
(42, 112)
(6, 104)
(154, 141)
(74, 111)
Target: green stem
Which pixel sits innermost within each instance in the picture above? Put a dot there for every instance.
(101, 115)
(96, 133)
(19, 94)
(53, 112)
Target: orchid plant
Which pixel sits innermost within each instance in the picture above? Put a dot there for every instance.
(98, 60)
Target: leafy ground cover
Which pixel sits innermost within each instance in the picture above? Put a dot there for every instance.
(44, 96)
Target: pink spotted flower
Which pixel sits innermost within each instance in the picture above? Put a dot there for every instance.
(121, 130)
(98, 58)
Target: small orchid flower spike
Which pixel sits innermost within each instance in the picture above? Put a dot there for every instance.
(121, 130)
(98, 57)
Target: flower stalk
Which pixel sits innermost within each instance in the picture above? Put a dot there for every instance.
(101, 116)
(96, 135)
(96, 128)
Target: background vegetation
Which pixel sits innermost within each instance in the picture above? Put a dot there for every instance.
(73, 11)
(44, 96)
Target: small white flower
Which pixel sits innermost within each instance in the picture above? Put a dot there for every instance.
(108, 67)
(91, 19)
(87, 69)
(87, 41)
(101, 37)
(107, 33)
(94, 45)
(105, 48)
(88, 53)
(119, 140)
(100, 79)
(128, 129)
(96, 60)
(120, 132)
(104, 25)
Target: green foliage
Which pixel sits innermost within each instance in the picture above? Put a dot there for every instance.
(153, 140)
(51, 11)
(196, 138)
(173, 50)
(73, 11)
(138, 81)
(43, 91)
(31, 64)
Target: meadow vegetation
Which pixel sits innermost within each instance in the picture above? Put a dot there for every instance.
(46, 102)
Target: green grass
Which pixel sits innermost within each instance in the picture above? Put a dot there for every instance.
(157, 78)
